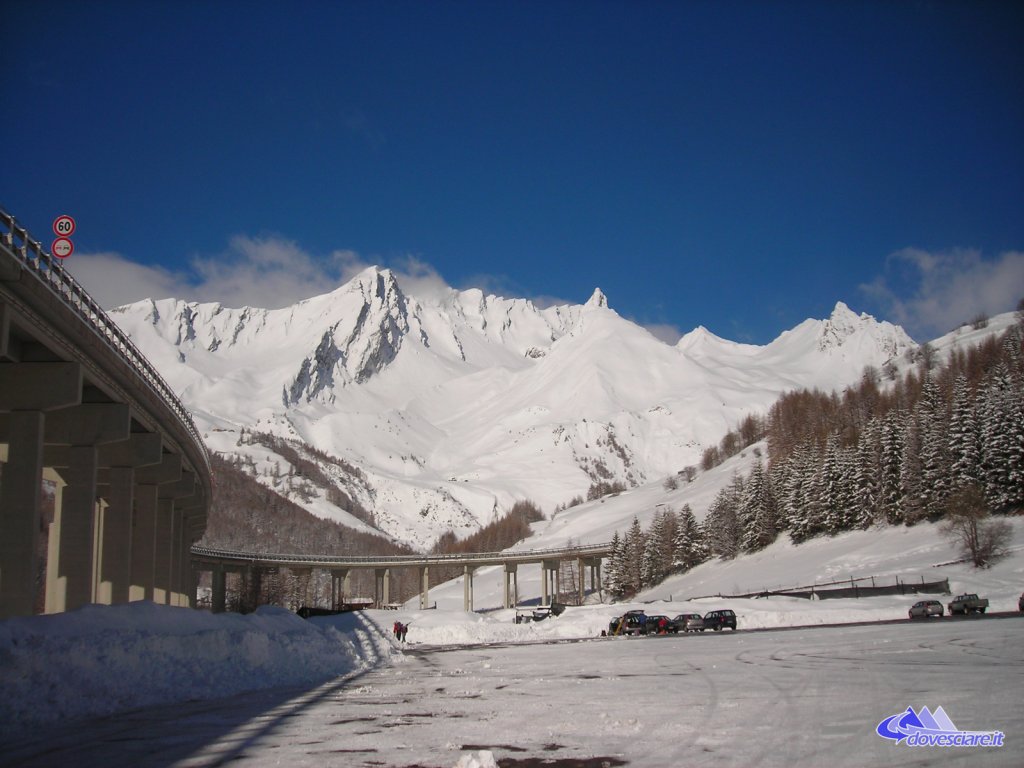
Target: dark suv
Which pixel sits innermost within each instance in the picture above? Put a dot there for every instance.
(717, 620)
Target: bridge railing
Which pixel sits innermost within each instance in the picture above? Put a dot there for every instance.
(275, 558)
(51, 273)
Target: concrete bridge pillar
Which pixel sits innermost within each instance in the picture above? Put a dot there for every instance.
(84, 428)
(340, 583)
(27, 390)
(165, 555)
(149, 480)
(163, 529)
(593, 566)
(511, 585)
(424, 587)
(143, 542)
(20, 498)
(116, 521)
(467, 588)
(382, 587)
(551, 586)
(114, 537)
(218, 598)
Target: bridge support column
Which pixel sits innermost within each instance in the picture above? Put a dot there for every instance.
(467, 588)
(77, 528)
(382, 587)
(511, 585)
(27, 390)
(424, 587)
(20, 497)
(117, 518)
(340, 584)
(168, 526)
(593, 566)
(303, 577)
(84, 428)
(115, 538)
(148, 494)
(162, 549)
(551, 586)
(143, 542)
(219, 584)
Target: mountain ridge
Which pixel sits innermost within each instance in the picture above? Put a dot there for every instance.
(457, 405)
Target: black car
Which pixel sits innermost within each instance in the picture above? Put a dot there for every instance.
(660, 625)
(717, 620)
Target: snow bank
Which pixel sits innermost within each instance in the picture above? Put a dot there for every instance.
(104, 659)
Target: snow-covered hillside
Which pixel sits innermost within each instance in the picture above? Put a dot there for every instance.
(454, 407)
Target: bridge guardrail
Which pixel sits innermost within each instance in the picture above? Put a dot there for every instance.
(49, 271)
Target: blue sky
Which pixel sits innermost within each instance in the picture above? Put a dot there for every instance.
(738, 165)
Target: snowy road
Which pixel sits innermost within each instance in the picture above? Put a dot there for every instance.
(806, 697)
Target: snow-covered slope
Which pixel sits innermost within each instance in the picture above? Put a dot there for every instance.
(455, 407)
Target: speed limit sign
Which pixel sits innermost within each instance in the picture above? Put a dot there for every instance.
(63, 226)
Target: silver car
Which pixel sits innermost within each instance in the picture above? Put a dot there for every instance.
(689, 622)
(925, 608)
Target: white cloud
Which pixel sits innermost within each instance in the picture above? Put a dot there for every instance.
(268, 272)
(112, 280)
(666, 332)
(929, 294)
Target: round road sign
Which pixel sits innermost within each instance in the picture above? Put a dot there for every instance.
(62, 248)
(64, 226)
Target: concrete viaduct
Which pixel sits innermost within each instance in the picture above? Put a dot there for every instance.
(86, 416)
(587, 557)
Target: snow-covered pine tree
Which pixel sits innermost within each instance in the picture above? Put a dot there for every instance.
(614, 568)
(964, 438)
(721, 526)
(910, 472)
(758, 513)
(635, 544)
(867, 476)
(689, 548)
(891, 465)
(831, 487)
(934, 461)
(1002, 418)
(654, 565)
(796, 504)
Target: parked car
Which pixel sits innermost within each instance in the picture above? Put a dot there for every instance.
(689, 622)
(925, 608)
(717, 620)
(660, 625)
(969, 603)
(629, 623)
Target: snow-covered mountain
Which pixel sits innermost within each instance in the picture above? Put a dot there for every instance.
(453, 408)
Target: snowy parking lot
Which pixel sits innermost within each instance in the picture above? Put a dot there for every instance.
(803, 697)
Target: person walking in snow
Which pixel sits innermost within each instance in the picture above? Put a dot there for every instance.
(397, 629)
